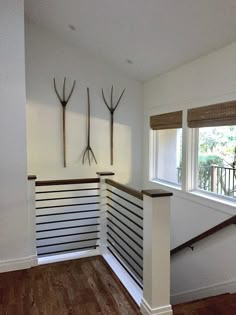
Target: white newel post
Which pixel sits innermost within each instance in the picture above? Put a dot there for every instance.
(32, 220)
(103, 210)
(156, 253)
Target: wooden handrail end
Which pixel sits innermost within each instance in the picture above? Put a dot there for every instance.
(156, 193)
(32, 177)
(105, 173)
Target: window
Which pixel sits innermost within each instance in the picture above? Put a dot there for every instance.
(209, 163)
(216, 157)
(168, 147)
(215, 128)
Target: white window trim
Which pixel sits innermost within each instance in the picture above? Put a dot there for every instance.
(166, 184)
(189, 188)
(152, 152)
(219, 204)
(195, 189)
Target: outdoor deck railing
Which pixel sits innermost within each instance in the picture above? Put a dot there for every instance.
(216, 179)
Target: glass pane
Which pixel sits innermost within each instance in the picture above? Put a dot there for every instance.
(169, 155)
(216, 160)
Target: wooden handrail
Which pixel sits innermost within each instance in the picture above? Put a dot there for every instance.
(32, 177)
(66, 181)
(126, 189)
(154, 193)
(203, 235)
(105, 173)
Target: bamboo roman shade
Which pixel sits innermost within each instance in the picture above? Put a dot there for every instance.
(166, 121)
(213, 115)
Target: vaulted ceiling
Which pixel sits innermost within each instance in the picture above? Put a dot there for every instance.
(142, 37)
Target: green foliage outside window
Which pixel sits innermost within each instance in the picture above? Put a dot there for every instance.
(217, 148)
(217, 152)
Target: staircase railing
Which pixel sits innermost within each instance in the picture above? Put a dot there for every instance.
(67, 215)
(102, 216)
(194, 240)
(99, 216)
(125, 228)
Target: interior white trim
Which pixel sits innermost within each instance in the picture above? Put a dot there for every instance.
(68, 256)
(217, 204)
(125, 279)
(18, 264)
(219, 288)
(162, 310)
(188, 192)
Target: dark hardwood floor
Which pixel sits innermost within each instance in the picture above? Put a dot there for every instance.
(79, 287)
(85, 287)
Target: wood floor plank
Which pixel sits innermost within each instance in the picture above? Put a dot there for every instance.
(78, 287)
(120, 298)
(85, 287)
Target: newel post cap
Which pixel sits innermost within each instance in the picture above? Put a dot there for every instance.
(105, 173)
(157, 193)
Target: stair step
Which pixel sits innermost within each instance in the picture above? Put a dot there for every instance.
(224, 304)
(226, 309)
(203, 299)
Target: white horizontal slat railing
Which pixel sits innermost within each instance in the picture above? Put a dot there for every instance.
(135, 234)
(125, 228)
(76, 218)
(67, 216)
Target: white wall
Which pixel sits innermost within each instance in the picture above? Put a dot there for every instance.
(48, 56)
(211, 266)
(14, 246)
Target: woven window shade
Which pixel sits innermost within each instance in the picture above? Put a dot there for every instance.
(166, 121)
(213, 115)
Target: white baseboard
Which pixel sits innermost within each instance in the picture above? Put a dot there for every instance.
(219, 288)
(133, 289)
(31, 261)
(68, 256)
(18, 264)
(147, 310)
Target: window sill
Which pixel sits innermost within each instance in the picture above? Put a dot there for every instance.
(220, 204)
(166, 184)
(222, 200)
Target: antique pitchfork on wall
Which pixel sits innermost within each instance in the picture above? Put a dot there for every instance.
(112, 109)
(88, 148)
(63, 100)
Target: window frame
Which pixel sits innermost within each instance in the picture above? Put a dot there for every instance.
(189, 185)
(195, 188)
